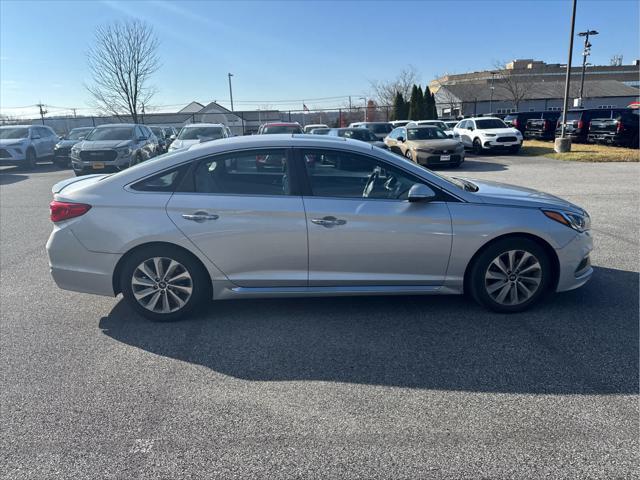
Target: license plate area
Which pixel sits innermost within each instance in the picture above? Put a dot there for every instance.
(445, 158)
(97, 165)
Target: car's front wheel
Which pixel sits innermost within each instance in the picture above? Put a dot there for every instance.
(477, 146)
(163, 283)
(514, 149)
(510, 275)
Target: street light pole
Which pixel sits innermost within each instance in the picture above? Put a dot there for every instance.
(230, 90)
(562, 144)
(585, 53)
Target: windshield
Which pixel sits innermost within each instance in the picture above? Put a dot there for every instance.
(572, 116)
(380, 127)
(281, 129)
(451, 124)
(359, 134)
(428, 133)
(441, 125)
(14, 132)
(196, 133)
(110, 133)
(490, 123)
(76, 133)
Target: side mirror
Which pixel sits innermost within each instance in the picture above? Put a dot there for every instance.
(172, 137)
(470, 129)
(420, 193)
(80, 138)
(401, 139)
(449, 135)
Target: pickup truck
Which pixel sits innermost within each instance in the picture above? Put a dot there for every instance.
(619, 128)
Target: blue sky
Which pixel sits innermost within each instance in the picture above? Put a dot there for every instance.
(294, 50)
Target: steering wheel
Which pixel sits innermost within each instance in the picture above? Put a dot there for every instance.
(371, 181)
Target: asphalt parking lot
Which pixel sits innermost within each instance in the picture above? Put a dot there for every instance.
(391, 387)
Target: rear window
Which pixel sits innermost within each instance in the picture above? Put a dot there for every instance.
(166, 181)
(571, 116)
(198, 133)
(380, 127)
(274, 129)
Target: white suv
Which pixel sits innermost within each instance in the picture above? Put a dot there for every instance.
(488, 133)
(25, 145)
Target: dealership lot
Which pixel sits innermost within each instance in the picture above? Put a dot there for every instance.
(394, 387)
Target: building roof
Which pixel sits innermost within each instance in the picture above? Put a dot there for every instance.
(193, 107)
(481, 91)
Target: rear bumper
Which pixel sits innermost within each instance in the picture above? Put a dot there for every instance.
(575, 266)
(536, 135)
(609, 138)
(75, 268)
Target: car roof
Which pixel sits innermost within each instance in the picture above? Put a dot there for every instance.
(110, 125)
(281, 124)
(481, 118)
(421, 125)
(20, 126)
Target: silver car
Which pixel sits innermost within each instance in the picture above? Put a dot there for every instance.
(336, 217)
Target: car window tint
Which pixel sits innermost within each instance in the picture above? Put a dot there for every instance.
(334, 173)
(162, 182)
(255, 172)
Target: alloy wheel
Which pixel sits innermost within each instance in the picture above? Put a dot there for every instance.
(161, 285)
(513, 277)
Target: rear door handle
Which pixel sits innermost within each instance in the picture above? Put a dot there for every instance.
(328, 222)
(200, 217)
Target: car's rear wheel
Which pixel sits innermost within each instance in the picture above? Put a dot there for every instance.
(409, 155)
(510, 275)
(162, 283)
(477, 146)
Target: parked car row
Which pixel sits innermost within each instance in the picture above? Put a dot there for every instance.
(612, 126)
(25, 145)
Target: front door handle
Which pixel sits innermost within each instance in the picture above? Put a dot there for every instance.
(200, 217)
(328, 222)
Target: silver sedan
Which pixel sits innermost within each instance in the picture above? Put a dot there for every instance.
(297, 215)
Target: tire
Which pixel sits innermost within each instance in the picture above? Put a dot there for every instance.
(477, 147)
(514, 150)
(135, 160)
(191, 275)
(409, 155)
(488, 281)
(31, 160)
(80, 173)
(62, 163)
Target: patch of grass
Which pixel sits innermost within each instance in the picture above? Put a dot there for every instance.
(581, 152)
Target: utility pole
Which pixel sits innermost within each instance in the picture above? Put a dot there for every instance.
(585, 53)
(492, 88)
(563, 144)
(74, 112)
(230, 90)
(364, 99)
(43, 112)
(349, 103)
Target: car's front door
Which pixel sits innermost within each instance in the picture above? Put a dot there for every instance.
(463, 130)
(364, 231)
(247, 221)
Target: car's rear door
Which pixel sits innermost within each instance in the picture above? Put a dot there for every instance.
(363, 231)
(249, 222)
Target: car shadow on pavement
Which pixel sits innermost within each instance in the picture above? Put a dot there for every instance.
(9, 178)
(579, 342)
(477, 164)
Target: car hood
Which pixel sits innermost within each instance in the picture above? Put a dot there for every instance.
(504, 194)
(102, 144)
(11, 141)
(500, 131)
(443, 144)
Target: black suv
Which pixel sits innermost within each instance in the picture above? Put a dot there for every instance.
(519, 120)
(620, 127)
(577, 126)
(543, 126)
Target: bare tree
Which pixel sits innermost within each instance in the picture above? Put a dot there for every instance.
(511, 86)
(121, 63)
(384, 92)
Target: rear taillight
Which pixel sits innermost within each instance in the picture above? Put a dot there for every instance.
(545, 125)
(516, 123)
(65, 210)
(580, 124)
(261, 158)
(620, 127)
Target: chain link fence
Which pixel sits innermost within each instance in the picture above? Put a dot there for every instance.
(239, 122)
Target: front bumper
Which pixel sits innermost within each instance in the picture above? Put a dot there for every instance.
(574, 262)
(99, 167)
(433, 159)
(75, 268)
(12, 156)
(493, 145)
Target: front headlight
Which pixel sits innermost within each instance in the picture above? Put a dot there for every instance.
(424, 150)
(123, 152)
(75, 152)
(489, 134)
(580, 223)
